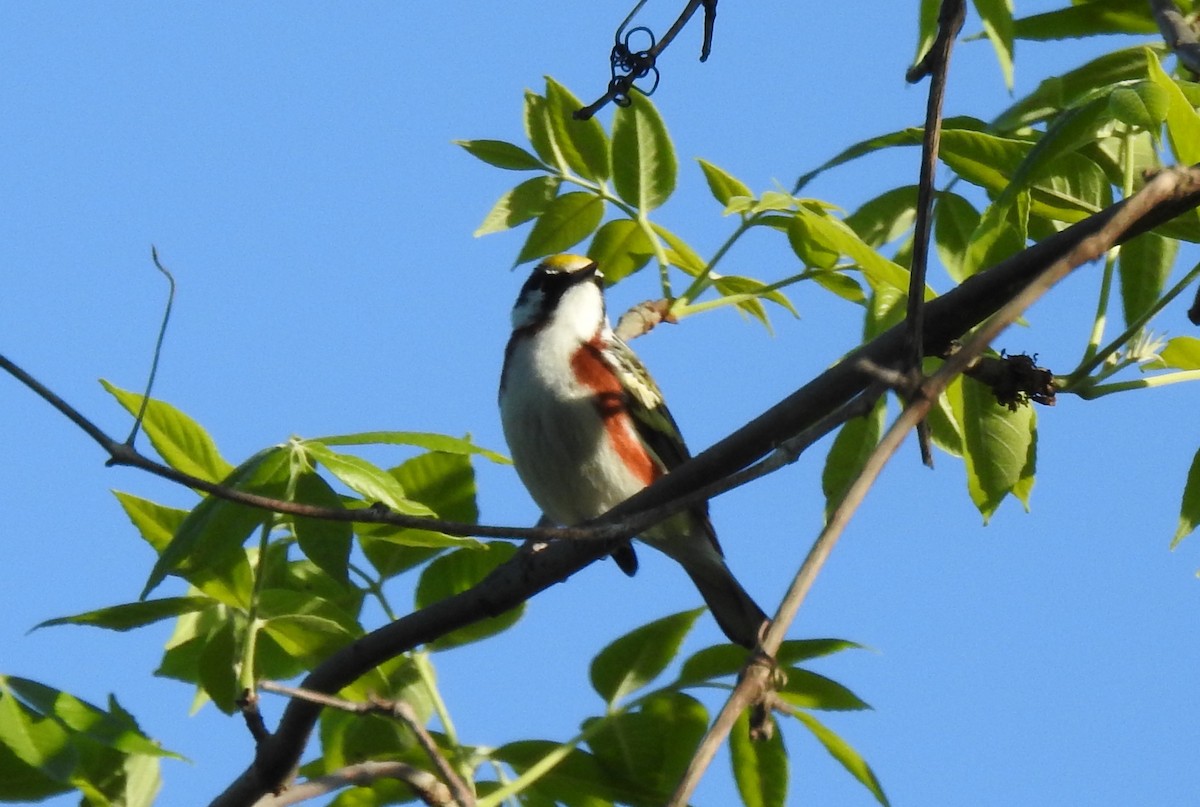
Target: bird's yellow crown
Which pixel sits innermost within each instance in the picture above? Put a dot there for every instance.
(566, 263)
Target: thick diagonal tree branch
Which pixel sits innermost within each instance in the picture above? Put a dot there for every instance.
(948, 317)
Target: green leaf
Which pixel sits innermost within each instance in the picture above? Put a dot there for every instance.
(426, 440)
(637, 658)
(808, 690)
(999, 446)
(750, 292)
(180, 441)
(728, 659)
(577, 780)
(760, 768)
(1143, 105)
(840, 750)
(620, 248)
(132, 615)
(308, 638)
(927, 27)
(582, 143)
(886, 217)
(998, 25)
(457, 572)
(723, 185)
(443, 482)
(1086, 19)
(1182, 353)
(649, 749)
(537, 129)
(158, 524)
(115, 728)
(854, 443)
(1183, 124)
(1144, 264)
(568, 219)
(840, 284)
(643, 157)
(217, 669)
(501, 154)
(955, 219)
(520, 204)
(810, 247)
(834, 236)
(366, 479)
(36, 740)
(1189, 508)
(1067, 90)
(20, 781)
(212, 534)
(325, 543)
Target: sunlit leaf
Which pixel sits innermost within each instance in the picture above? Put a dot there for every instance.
(1189, 509)
(568, 219)
(1066, 90)
(1087, 19)
(1183, 123)
(326, 543)
(426, 440)
(649, 748)
(132, 615)
(366, 479)
(520, 204)
(999, 446)
(1181, 353)
(853, 445)
(212, 534)
(809, 690)
(501, 154)
(643, 157)
(760, 768)
(998, 25)
(850, 759)
(582, 143)
(637, 658)
(1144, 264)
(180, 441)
(723, 185)
(620, 248)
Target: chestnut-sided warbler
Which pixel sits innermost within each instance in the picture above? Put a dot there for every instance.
(588, 428)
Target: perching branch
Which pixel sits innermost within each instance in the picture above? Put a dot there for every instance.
(947, 318)
(1178, 33)
(754, 681)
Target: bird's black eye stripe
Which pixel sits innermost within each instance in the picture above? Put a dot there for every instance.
(551, 284)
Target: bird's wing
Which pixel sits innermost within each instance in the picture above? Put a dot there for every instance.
(653, 421)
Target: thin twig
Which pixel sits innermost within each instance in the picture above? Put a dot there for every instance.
(618, 88)
(424, 784)
(753, 682)
(936, 63)
(398, 710)
(158, 345)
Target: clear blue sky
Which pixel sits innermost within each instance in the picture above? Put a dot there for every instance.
(293, 165)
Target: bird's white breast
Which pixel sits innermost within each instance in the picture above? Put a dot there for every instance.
(554, 430)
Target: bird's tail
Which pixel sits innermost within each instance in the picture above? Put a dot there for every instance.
(736, 612)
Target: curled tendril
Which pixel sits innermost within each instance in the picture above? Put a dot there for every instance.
(627, 65)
